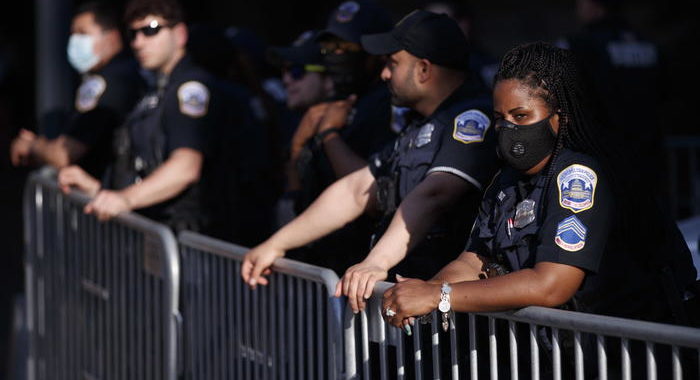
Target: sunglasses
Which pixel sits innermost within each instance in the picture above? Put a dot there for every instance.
(298, 71)
(148, 31)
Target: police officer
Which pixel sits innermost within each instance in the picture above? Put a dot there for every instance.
(161, 149)
(303, 72)
(307, 83)
(356, 126)
(563, 222)
(110, 87)
(437, 166)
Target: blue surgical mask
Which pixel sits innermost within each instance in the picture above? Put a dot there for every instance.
(80, 52)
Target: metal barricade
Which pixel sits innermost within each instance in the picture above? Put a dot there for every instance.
(101, 297)
(530, 343)
(289, 329)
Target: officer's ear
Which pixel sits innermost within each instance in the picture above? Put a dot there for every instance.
(423, 70)
(181, 34)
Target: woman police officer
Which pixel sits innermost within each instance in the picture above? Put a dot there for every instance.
(562, 222)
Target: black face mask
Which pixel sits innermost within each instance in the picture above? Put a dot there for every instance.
(524, 146)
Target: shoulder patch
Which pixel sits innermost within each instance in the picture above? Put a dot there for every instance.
(571, 234)
(470, 126)
(193, 98)
(347, 11)
(577, 187)
(89, 92)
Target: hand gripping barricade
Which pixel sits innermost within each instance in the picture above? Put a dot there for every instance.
(289, 329)
(102, 297)
(529, 343)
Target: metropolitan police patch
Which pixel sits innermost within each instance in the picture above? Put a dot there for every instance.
(89, 93)
(571, 234)
(347, 10)
(193, 98)
(470, 126)
(577, 187)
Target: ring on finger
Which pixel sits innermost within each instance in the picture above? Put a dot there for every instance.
(389, 312)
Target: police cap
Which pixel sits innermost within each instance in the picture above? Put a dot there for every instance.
(304, 51)
(428, 35)
(351, 19)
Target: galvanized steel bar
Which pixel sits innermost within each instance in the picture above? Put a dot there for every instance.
(626, 364)
(602, 358)
(677, 371)
(493, 349)
(512, 328)
(556, 355)
(453, 348)
(435, 344)
(473, 354)
(364, 330)
(418, 353)
(651, 361)
(578, 355)
(534, 353)
(382, 351)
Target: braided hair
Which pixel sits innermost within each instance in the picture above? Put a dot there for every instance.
(553, 74)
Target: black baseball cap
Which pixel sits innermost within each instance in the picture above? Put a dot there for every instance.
(351, 19)
(435, 37)
(304, 50)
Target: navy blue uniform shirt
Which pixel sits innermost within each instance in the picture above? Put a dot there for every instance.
(102, 101)
(573, 219)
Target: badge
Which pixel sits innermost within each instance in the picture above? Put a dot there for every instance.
(346, 11)
(398, 118)
(193, 98)
(470, 126)
(577, 187)
(524, 213)
(425, 135)
(571, 234)
(89, 93)
(501, 195)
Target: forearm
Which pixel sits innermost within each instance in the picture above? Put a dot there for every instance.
(339, 204)
(416, 215)
(539, 286)
(467, 267)
(171, 178)
(52, 152)
(343, 159)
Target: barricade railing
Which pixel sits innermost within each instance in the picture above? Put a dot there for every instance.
(102, 298)
(532, 342)
(289, 329)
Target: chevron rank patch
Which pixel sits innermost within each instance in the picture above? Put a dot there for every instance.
(470, 126)
(89, 93)
(571, 234)
(193, 98)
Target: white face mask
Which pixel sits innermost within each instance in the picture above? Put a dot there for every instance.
(80, 52)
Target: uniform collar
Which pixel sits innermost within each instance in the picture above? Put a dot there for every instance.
(180, 66)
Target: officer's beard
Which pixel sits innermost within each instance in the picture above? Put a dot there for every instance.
(403, 95)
